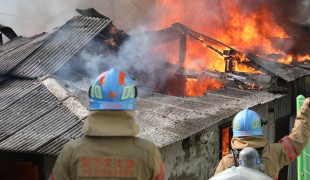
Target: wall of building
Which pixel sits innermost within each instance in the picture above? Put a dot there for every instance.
(49, 162)
(190, 159)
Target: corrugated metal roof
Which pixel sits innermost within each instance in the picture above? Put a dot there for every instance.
(286, 72)
(13, 89)
(55, 146)
(10, 60)
(166, 119)
(61, 46)
(31, 116)
(41, 131)
(15, 43)
(34, 119)
(25, 110)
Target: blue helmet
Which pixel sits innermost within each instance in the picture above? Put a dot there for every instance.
(113, 90)
(247, 123)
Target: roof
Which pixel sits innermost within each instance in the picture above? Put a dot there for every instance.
(167, 119)
(32, 118)
(40, 112)
(286, 72)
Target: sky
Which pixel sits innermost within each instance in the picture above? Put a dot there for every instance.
(29, 17)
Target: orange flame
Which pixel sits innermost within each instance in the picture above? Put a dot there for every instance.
(197, 87)
(224, 20)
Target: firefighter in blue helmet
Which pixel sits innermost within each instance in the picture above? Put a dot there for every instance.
(109, 149)
(248, 132)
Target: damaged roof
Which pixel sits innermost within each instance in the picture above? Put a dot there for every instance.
(31, 116)
(39, 113)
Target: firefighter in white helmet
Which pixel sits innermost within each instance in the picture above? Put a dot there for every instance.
(249, 165)
(248, 132)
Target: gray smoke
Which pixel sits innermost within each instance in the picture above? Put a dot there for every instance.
(133, 57)
(29, 17)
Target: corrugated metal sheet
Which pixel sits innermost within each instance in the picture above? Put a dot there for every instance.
(166, 119)
(31, 116)
(43, 130)
(286, 72)
(280, 110)
(10, 60)
(26, 110)
(12, 90)
(15, 43)
(34, 119)
(55, 146)
(61, 46)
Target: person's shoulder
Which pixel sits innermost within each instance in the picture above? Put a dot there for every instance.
(228, 160)
(73, 143)
(228, 156)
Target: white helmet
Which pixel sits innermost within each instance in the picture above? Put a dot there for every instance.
(249, 157)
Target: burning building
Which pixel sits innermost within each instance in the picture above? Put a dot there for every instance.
(190, 87)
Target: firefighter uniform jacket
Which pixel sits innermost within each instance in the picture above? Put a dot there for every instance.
(275, 155)
(109, 150)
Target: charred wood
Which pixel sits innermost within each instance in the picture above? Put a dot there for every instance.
(304, 64)
(264, 64)
(203, 37)
(277, 89)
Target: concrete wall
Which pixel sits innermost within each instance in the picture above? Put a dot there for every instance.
(189, 159)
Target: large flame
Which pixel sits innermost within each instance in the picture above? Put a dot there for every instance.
(245, 28)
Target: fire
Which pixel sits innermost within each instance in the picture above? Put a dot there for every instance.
(239, 24)
(225, 141)
(197, 87)
(225, 21)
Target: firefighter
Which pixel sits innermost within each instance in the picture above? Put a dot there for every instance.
(248, 132)
(249, 161)
(249, 157)
(109, 148)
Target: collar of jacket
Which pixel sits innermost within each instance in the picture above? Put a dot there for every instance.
(253, 141)
(110, 123)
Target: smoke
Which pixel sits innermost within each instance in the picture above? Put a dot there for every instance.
(134, 56)
(211, 17)
(29, 17)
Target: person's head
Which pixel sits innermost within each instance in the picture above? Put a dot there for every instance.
(249, 157)
(247, 123)
(113, 90)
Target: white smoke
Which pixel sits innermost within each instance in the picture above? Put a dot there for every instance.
(133, 57)
(29, 17)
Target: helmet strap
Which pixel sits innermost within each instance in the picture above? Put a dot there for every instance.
(89, 91)
(264, 122)
(136, 91)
